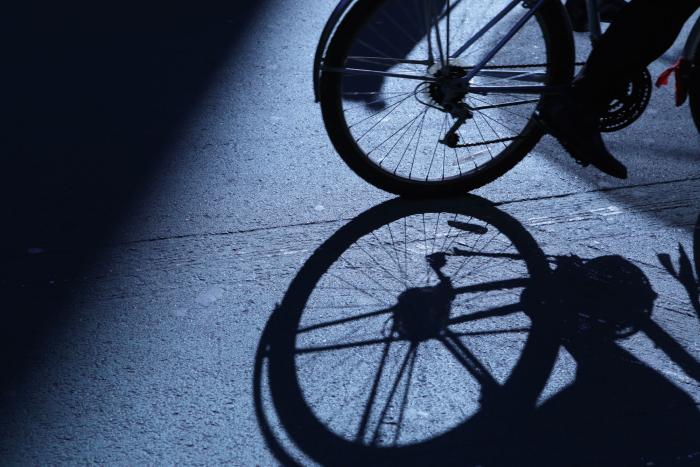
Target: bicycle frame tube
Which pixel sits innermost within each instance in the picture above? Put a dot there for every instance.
(486, 28)
(477, 69)
(482, 63)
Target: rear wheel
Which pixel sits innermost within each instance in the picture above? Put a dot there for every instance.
(389, 99)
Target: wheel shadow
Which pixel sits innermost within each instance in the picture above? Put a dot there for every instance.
(433, 345)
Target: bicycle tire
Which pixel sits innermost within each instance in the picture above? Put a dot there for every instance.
(558, 41)
(694, 92)
(301, 423)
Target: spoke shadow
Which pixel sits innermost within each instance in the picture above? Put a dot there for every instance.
(371, 402)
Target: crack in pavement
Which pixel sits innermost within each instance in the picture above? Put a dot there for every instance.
(347, 219)
(597, 190)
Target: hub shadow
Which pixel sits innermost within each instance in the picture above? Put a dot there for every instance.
(424, 333)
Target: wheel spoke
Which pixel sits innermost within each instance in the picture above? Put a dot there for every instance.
(469, 361)
(392, 392)
(346, 345)
(362, 428)
(492, 332)
(403, 130)
(504, 310)
(404, 401)
(391, 108)
(349, 319)
(389, 60)
(362, 290)
(378, 99)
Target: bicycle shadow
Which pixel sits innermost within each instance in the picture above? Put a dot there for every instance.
(689, 279)
(617, 411)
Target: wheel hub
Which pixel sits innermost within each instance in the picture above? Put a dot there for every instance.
(443, 92)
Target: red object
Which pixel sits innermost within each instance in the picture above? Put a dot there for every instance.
(677, 71)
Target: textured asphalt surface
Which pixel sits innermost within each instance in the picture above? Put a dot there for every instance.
(152, 359)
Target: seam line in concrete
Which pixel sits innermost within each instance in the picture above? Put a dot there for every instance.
(228, 232)
(305, 224)
(597, 190)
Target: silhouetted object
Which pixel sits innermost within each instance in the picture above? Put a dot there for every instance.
(617, 411)
(685, 275)
(602, 295)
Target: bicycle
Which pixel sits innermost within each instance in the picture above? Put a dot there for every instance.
(436, 97)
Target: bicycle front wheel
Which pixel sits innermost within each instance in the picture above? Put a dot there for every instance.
(391, 104)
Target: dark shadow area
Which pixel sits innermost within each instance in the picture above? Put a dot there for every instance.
(688, 273)
(92, 93)
(652, 190)
(362, 340)
(678, 153)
